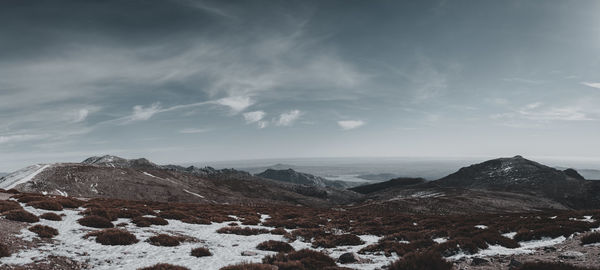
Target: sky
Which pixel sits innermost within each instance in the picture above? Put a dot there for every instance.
(188, 81)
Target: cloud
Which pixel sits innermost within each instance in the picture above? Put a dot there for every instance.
(537, 112)
(194, 130)
(236, 103)
(256, 117)
(20, 138)
(141, 113)
(252, 117)
(350, 124)
(592, 84)
(288, 118)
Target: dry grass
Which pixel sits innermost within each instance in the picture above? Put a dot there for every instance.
(242, 231)
(44, 231)
(147, 221)
(51, 216)
(164, 266)
(309, 259)
(108, 213)
(277, 246)
(4, 252)
(250, 266)
(21, 215)
(330, 241)
(164, 240)
(201, 252)
(552, 266)
(46, 205)
(113, 237)
(95, 222)
(421, 261)
(590, 238)
(9, 205)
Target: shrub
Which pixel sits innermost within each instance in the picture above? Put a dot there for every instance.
(309, 259)
(46, 205)
(550, 266)
(113, 237)
(51, 216)
(173, 214)
(277, 246)
(331, 241)
(147, 221)
(128, 213)
(278, 231)
(108, 213)
(21, 215)
(164, 240)
(13, 191)
(242, 230)
(195, 220)
(44, 231)
(9, 205)
(249, 266)
(421, 261)
(164, 266)
(201, 252)
(590, 238)
(26, 198)
(4, 251)
(69, 202)
(95, 222)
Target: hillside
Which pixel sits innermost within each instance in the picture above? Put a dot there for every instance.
(140, 179)
(294, 177)
(394, 183)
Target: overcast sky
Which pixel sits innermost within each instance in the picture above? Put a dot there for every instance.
(184, 81)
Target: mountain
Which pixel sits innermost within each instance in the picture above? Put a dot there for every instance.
(292, 176)
(521, 175)
(378, 176)
(589, 174)
(140, 179)
(394, 183)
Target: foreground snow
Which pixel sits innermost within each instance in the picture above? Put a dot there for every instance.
(226, 248)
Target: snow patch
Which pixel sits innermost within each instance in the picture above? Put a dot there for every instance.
(22, 176)
(195, 194)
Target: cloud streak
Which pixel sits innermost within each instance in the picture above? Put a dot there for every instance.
(350, 124)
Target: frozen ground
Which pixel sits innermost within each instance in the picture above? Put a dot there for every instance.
(226, 248)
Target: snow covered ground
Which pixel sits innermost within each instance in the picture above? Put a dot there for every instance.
(22, 176)
(226, 248)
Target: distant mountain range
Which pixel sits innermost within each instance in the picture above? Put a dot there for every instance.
(294, 177)
(511, 184)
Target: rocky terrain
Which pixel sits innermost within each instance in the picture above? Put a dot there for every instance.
(294, 177)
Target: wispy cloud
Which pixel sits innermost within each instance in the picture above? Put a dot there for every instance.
(194, 130)
(141, 113)
(350, 124)
(288, 118)
(236, 103)
(20, 138)
(524, 80)
(592, 84)
(538, 112)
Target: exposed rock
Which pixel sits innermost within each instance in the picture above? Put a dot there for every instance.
(479, 261)
(514, 263)
(569, 255)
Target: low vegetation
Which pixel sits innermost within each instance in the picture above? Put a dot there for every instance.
(21, 215)
(46, 205)
(4, 252)
(551, 266)
(164, 266)
(421, 261)
(250, 266)
(147, 221)
(113, 237)
(242, 230)
(44, 231)
(164, 240)
(333, 240)
(95, 222)
(9, 205)
(201, 252)
(277, 246)
(590, 238)
(306, 258)
(51, 216)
